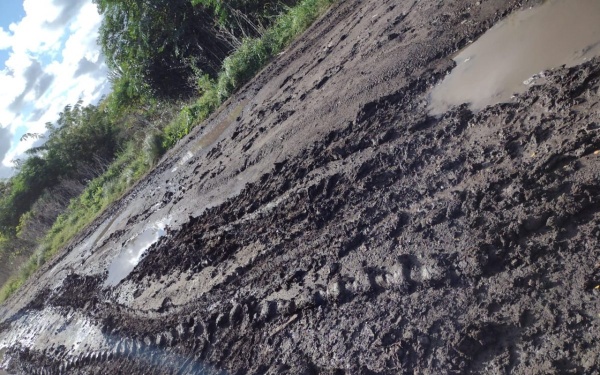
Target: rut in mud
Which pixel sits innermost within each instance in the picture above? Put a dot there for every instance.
(325, 222)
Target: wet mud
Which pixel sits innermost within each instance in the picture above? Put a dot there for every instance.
(514, 54)
(330, 224)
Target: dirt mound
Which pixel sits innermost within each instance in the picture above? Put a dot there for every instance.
(331, 225)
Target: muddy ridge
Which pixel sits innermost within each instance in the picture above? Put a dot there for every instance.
(325, 222)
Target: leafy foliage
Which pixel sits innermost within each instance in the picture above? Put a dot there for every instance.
(76, 147)
(158, 45)
(245, 17)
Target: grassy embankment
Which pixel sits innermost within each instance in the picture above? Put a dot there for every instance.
(131, 165)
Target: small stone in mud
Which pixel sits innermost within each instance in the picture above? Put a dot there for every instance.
(397, 277)
(431, 273)
(362, 282)
(425, 273)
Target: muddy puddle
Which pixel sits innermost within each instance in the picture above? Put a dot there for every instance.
(52, 327)
(513, 54)
(133, 251)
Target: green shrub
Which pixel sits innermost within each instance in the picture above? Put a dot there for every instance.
(193, 114)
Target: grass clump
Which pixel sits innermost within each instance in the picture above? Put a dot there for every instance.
(193, 114)
(243, 64)
(255, 53)
(25, 272)
(129, 167)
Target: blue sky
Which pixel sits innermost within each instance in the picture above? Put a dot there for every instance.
(11, 11)
(49, 58)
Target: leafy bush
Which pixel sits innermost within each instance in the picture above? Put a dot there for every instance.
(159, 44)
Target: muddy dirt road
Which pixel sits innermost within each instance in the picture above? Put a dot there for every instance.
(325, 222)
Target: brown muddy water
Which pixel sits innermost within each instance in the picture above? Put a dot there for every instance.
(513, 54)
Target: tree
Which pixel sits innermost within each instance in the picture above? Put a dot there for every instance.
(78, 147)
(160, 45)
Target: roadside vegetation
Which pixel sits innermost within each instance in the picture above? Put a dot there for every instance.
(172, 64)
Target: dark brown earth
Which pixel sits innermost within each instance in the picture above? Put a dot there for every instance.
(329, 225)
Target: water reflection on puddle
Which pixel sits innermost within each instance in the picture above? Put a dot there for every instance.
(132, 252)
(187, 157)
(510, 56)
(52, 326)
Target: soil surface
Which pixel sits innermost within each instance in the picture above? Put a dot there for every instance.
(324, 223)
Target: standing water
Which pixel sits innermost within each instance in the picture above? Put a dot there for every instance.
(132, 252)
(508, 58)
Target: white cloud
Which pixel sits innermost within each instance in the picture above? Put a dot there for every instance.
(4, 39)
(54, 60)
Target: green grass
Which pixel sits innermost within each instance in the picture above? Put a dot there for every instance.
(14, 283)
(131, 165)
(255, 53)
(193, 114)
(128, 168)
(243, 64)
